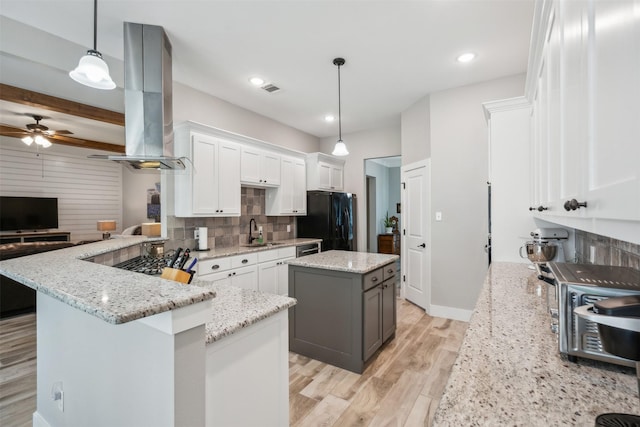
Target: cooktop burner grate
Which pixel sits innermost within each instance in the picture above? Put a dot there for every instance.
(145, 265)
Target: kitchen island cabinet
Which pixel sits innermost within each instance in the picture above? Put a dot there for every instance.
(509, 370)
(346, 306)
(122, 348)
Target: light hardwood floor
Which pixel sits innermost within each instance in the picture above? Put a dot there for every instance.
(401, 387)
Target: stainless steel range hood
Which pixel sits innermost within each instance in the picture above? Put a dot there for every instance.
(148, 99)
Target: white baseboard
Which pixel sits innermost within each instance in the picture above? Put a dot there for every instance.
(450, 312)
(38, 421)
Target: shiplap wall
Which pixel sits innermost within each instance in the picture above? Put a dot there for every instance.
(87, 190)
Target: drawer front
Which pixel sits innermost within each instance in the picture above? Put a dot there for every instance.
(287, 252)
(389, 271)
(270, 255)
(215, 265)
(372, 279)
(244, 260)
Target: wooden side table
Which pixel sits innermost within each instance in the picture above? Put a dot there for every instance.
(389, 243)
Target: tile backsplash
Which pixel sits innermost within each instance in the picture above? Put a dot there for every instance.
(608, 251)
(232, 231)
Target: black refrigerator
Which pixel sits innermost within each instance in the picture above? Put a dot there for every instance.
(330, 217)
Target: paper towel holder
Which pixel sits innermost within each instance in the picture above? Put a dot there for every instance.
(199, 240)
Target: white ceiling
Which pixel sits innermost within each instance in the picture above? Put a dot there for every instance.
(396, 51)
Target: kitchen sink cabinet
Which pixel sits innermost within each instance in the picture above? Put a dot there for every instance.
(210, 185)
(291, 197)
(585, 120)
(273, 273)
(259, 168)
(325, 172)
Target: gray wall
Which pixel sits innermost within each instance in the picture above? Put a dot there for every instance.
(416, 132)
(384, 142)
(459, 156)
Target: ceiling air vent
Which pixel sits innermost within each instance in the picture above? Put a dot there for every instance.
(270, 88)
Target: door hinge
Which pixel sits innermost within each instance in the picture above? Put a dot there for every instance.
(404, 232)
(404, 278)
(404, 186)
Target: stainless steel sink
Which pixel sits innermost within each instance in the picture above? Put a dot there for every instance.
(260, 245)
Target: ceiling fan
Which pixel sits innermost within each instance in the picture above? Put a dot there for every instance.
(35, 132)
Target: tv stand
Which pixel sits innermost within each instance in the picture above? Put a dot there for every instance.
(35, 236)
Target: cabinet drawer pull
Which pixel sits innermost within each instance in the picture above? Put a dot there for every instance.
(390, 270)
(374, 279)
(573, 204)
(244, 261)
(215, 267)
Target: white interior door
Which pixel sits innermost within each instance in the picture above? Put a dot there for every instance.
(416, 219)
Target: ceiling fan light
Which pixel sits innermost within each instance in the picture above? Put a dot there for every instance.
(340, 149)
(45, 143)
(92, 71)
(27, 140)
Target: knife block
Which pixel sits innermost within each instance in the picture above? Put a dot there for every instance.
(177, 275)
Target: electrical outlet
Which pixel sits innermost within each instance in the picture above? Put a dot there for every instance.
(196, 234)
(438, 216)
(57, 394)
(288, 228)
(592, 254)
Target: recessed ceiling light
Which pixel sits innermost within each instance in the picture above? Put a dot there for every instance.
(256, 81)
(329, 118)
(466, 57)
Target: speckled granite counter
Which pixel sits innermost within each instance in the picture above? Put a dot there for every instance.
(509, 371)
(235, 308)
(113, 295)
(237, 250)
(348, 261)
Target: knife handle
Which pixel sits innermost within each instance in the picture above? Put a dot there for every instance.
(175, 258)
(183, 260)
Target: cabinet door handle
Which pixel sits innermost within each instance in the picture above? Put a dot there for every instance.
(244, 261)
(573, 204)
(422, 246)
(215, 267)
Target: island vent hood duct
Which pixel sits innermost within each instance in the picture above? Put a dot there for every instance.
(148, 97)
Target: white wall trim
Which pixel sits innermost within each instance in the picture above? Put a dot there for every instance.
(509, 104)
(38, 421)
(450, 312)
(541, 14)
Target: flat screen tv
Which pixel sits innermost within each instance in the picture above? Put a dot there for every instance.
(28, 213)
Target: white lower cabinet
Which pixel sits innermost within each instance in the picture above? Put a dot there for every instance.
(273, 274)
(239, 270)
(265, 271)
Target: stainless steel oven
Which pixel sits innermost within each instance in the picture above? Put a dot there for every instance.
(581, 284)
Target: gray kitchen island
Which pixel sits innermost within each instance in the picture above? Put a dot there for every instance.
(346, 306)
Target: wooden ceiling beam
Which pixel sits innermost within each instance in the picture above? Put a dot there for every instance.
(52, 103)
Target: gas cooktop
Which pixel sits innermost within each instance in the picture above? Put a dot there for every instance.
(145, 265)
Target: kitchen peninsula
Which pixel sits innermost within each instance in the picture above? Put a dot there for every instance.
(509, 370)
(346, 306)
(123, 348)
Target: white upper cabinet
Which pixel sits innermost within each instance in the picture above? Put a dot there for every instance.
(259, 167)
(210, 185)
(291, 197)
(586, 118)
(325, 172)
(613, 187)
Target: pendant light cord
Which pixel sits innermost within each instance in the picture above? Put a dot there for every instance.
(339, 108)
(95, 25)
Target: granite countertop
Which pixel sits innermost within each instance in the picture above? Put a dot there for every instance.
(111, 294)
(236, 308)
(509, 371)
(348, 261)
(238, 250)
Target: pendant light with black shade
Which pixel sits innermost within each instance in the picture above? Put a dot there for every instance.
(92, 71)
(340, 148)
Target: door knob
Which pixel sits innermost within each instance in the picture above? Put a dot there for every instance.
(422, 246)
